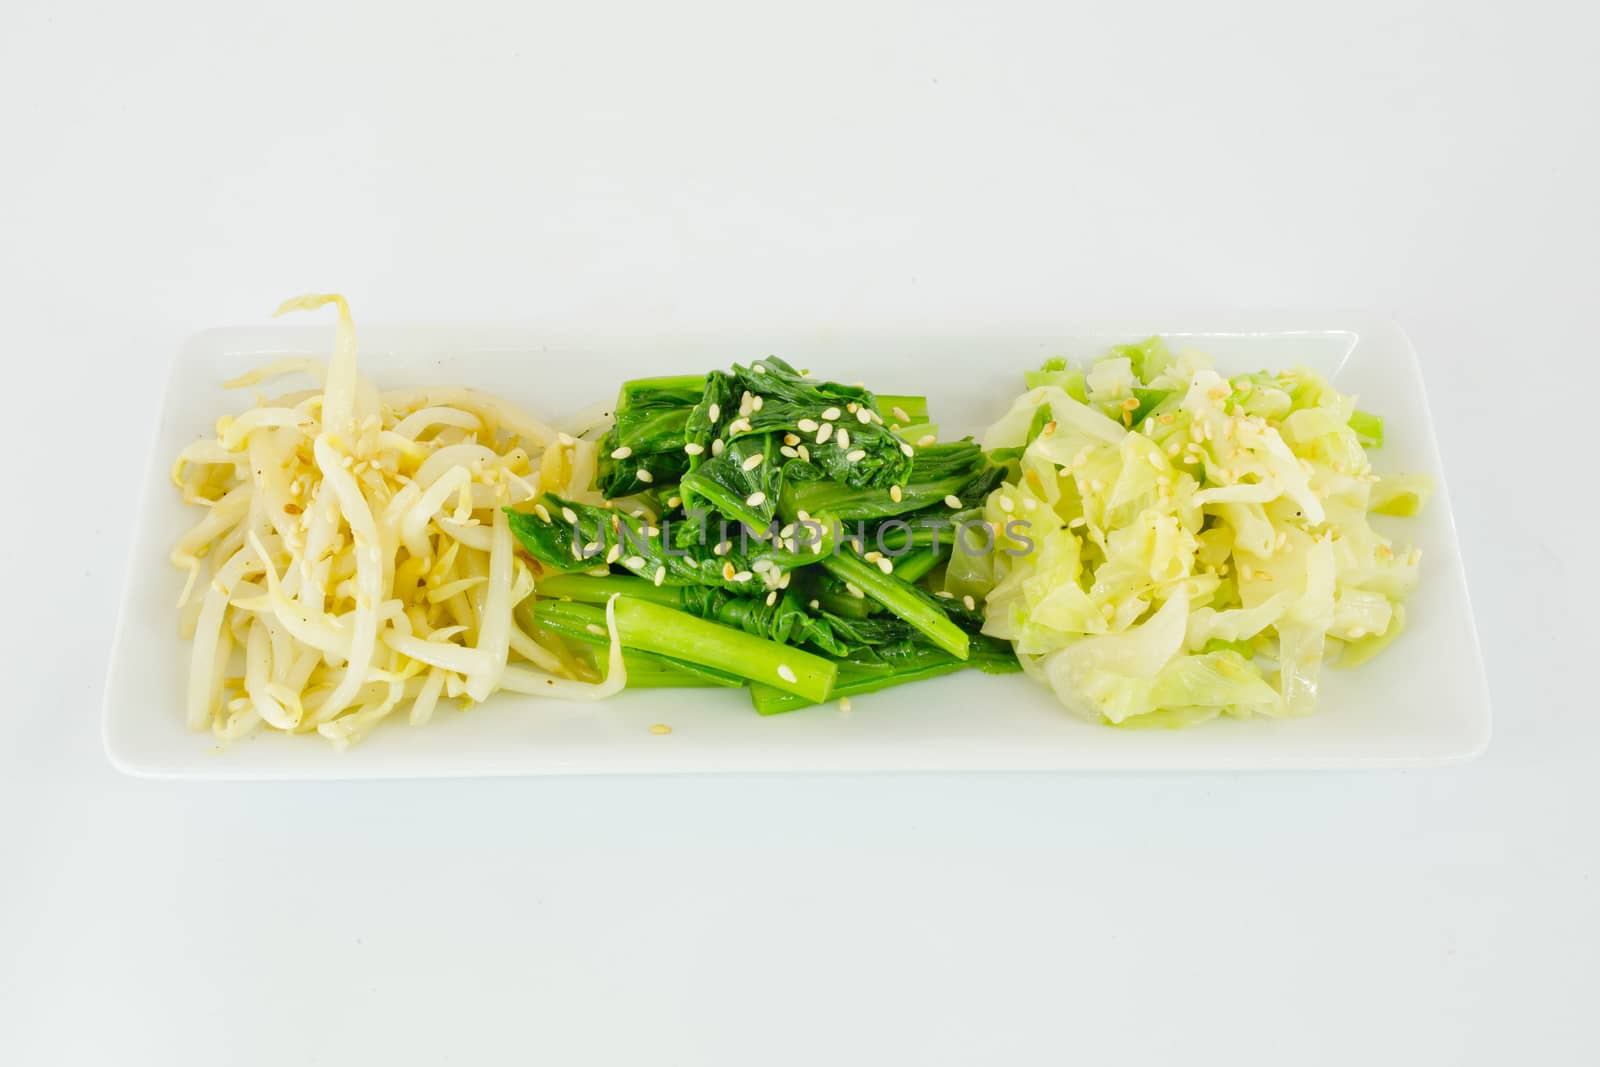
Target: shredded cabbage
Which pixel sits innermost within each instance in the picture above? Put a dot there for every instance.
(359, 554)
(1196, 545)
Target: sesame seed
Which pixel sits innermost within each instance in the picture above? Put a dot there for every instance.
(829, 414)
(674, 501)
(614, 554)
(722, 548)
(756, 499)
(856, 456)
(953, 502)
(842, 438)
(728, 572)
(1077, 522)
(803, 452)
(694, 449)
(864, 416)
(758, 369)
(644, 476)
(717, 447)
(592, 548)
(854, 590)
(906, 448)
(772, 598)
(569, 514)
(739, 425)
(752, 462)
(969, 603)
(621, 452)
(790, 439)
(742, 576)
(886, 565)
(787, 452)
(900, 413)
(633, 563)
(786, 673)
(542, 511)
(844, 703)
(598, 630)
(824, 432)
(807, 425)
(661, 574)
(814, 604)
(756, 402)
(1006, 504)
(896, 494)
(714, 412)
(926, 439)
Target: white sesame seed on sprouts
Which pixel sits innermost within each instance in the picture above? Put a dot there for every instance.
(742, 576)
(926, 439)
(569, 514)
(1030, 504)
(1006, 505)
(674, 501)
(599, 631)
(772, 598)
(783, 579)
(791, 439)
(644, 476)
(814, 604)
(953, 502)
(886, 565)
(803, 452)
(728, 572)
(824, 432)
(945, 594)
(829, 414)
(592, 548)
(906, 449)
(761, 565)
(621, 452)
(787, 452)
(661, 575)
(864, 416)
(854, 590)
(717, 446)
(807, 425)
(1077, 522)
(739, 425)
(542, 511)
(634, 563)
(900, 413)
(852, 407)
(756, 499)
(896, 493)
(694, 449)
(786, 672)
(842, 438)
(969, 603)
(614, 554)
(753, 461)
(722, 548)
(758, 368)
(856, 455)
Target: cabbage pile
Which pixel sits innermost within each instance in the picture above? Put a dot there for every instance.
(1194, 545)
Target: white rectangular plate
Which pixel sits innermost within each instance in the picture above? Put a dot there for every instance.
(1423, 702)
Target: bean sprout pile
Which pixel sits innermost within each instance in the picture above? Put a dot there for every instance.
(355, 554)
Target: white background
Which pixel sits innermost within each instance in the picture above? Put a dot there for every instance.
(169, 167)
